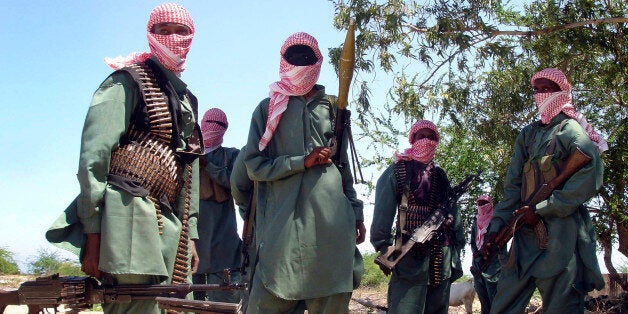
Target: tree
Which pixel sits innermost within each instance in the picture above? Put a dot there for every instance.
(469, 63)
(49, 262)
(8, 266)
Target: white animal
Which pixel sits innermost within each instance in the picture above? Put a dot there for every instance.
(462, 293)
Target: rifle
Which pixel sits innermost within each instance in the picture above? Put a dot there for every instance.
(342, 120)
(247, 229)
(576, 161)
(78, 293)
(428, 229)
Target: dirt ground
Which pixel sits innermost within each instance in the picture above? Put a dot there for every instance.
(371, 297)
(374, 297)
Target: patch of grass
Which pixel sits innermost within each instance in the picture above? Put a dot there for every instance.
(373, 277)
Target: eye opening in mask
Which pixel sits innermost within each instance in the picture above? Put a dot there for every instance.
(300, 55)
(482, 202)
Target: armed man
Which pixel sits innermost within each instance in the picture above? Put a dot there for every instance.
(554, 247)
(218, 243)
(413, 189)
(138, 167)
(308, 218)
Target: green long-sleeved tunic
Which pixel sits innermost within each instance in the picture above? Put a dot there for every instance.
(218, 243)
(568, 223)
(305, 220)
(491, 274)
(130, 240)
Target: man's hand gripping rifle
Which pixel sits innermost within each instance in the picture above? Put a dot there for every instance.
(78, 293)
(428, 229)
(576, 161)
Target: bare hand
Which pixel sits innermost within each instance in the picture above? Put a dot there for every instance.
(360, 231)
(528, 215)
(319, 156)
(89, 264)
(195, 259)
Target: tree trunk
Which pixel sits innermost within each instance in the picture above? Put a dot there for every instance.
(622, 235)
(614, 278)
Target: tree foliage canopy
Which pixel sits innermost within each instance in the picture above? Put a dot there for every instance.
(469, 63)
(8, 266)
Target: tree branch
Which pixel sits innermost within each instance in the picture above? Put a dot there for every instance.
(609, 20)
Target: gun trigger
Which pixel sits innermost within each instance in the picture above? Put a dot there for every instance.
(332, 143)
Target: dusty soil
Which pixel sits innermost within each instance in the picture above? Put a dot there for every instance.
(365, 300)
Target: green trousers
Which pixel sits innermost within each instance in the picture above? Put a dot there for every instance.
(559, 293)
(405, 297)
(264, 302)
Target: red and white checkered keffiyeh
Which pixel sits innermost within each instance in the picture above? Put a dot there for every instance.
(213, 127)
(422, 150)
(172, 49)
(484, 215)
(294, 81)
(551, 104)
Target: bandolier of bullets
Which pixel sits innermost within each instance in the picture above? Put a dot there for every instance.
(156, 103)
(416, 216)
(180, 272)
(181, 262)
(148, 158)
(436, 244)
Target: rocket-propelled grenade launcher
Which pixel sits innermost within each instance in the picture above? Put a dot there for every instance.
(342, 121)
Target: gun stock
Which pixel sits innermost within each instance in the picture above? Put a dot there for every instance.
(576, 161)
(247, 229)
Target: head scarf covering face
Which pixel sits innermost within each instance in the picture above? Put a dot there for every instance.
(551, 104)
(294, 81)
(422, 150)
(170, 50)
(213, 127)
(484, 215)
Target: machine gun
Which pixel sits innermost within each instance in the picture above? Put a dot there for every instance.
(576, 161)
(428, 229)
(78, 293)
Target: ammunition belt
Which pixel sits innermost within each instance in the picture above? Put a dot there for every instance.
(156, 103)
(150, 163)
(416, 215)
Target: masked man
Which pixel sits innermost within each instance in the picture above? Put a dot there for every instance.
(138, 170)
(218, 243)
(485, 282)
(560, 261)
(420, 281)
(307, 210)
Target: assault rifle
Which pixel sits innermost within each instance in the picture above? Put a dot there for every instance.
(428, 229)
(78, 293)
(576, 161)
(247, 228)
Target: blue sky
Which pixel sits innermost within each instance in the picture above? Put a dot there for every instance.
(52, 63)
